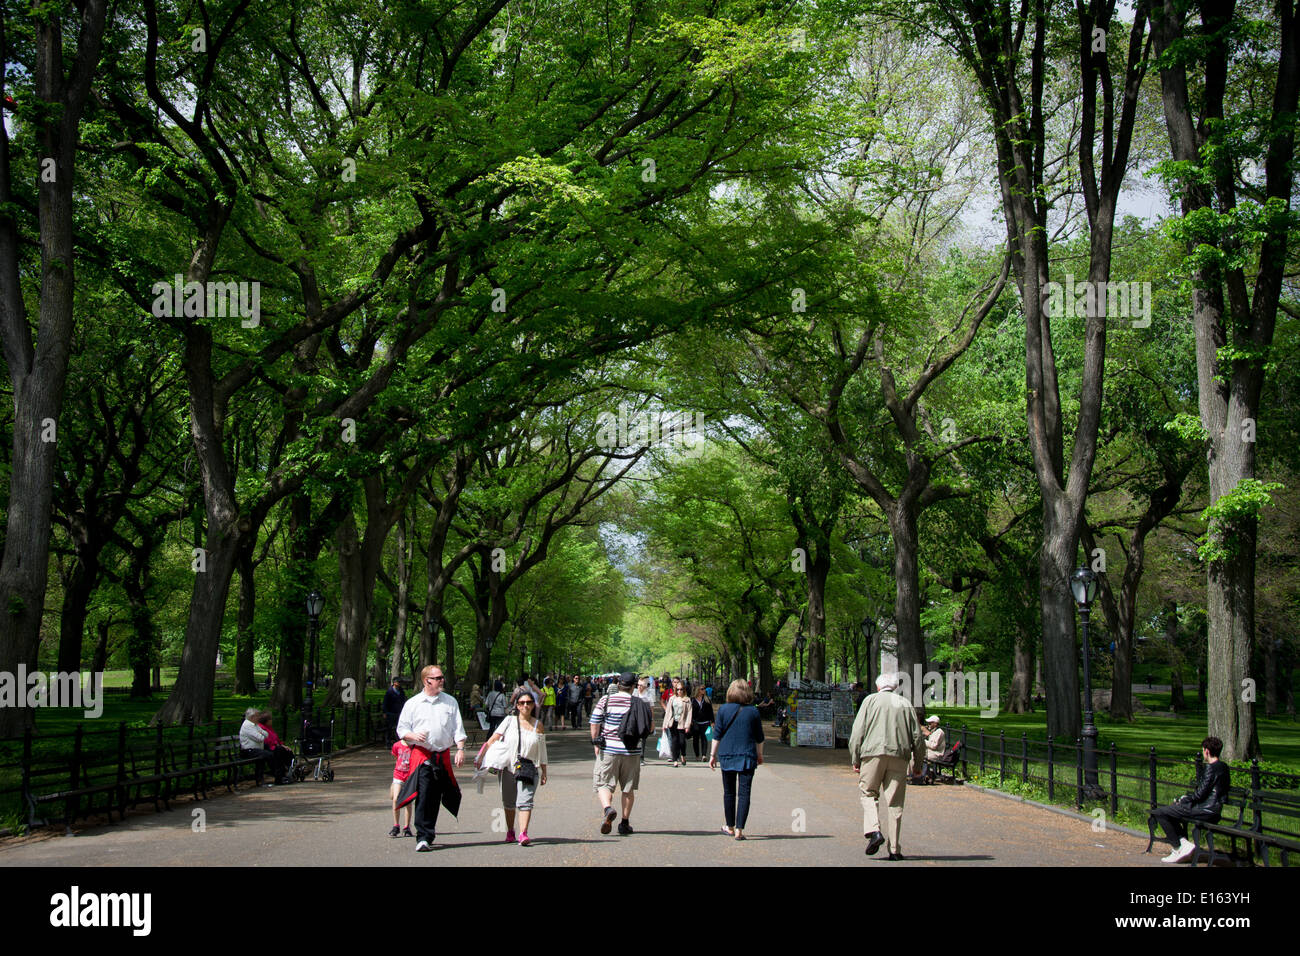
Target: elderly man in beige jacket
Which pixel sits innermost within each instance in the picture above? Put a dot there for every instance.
(886, 738)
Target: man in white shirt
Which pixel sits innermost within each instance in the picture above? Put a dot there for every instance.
(647, 694)
(430, 723)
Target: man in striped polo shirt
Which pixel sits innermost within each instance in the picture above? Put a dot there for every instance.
(617, 764)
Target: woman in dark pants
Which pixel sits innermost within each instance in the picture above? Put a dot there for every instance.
(677, 720)
(701, 718)
(738, 747)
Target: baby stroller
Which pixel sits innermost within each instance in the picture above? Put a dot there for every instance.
(314, 747)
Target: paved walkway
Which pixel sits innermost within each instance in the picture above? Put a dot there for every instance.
(805, 812)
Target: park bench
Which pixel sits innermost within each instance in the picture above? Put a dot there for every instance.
(187, 761)
(70, 780)
(224, 755)
(1258, 838)
(147, 776)
(935, 768)
(159, 771)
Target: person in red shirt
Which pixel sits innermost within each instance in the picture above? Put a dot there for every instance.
(281, 756)
(401, 770)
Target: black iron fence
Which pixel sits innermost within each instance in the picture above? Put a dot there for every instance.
(67, 755)
(1134, 781)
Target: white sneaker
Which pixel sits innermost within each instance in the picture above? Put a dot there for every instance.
(1183, 852)
(422, 846)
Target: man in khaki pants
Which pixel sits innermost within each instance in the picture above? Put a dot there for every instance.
(886, 738)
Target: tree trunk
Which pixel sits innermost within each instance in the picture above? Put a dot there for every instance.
(1011, 59)
(1230, 645)
(1227, 317)
(245, 679)
(1020, 700)
(440, 572)
(100, 658)
(191, 695)
(286, 694)
(766, 680)
(38, 369)
(819, 568)
(490, 615)
(1060, 640)
(873, 660)
(77, 590)
(1121, 684)
(357, 593)
(353, 625)
(1176, 702)
(306, 538)
(1270, 674)
(141, 644)
(403, 597)
(450, 667)
(385, 632)
(907, 588)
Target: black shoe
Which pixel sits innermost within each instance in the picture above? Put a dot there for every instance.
(874, 842)
(608, 823)
(625, 829)
(406, 832)
(395, 831)
(897, 856)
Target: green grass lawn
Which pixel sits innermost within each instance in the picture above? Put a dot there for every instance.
(138, 713)
(1174, 738)
(1279, 737)
(122, 678)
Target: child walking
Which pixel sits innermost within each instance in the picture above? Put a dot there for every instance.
(401, 771)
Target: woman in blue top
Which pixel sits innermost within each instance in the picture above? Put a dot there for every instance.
(738, 746)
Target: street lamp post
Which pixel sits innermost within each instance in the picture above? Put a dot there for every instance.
(1084, 587)
(868, 628)
(800, 642)
(315, 604)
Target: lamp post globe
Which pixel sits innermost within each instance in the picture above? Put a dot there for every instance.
(1083, 584)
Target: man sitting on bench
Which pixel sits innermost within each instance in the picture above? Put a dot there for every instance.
(935, 747)
(1204, 804)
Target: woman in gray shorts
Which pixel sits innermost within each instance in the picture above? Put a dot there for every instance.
(524, 736)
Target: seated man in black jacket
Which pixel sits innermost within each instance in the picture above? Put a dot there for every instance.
(1205, 803)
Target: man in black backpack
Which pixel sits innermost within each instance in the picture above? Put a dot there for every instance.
(620, 723)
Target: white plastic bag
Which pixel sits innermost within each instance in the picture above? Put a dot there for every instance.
(665, 746)
(498, 756)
